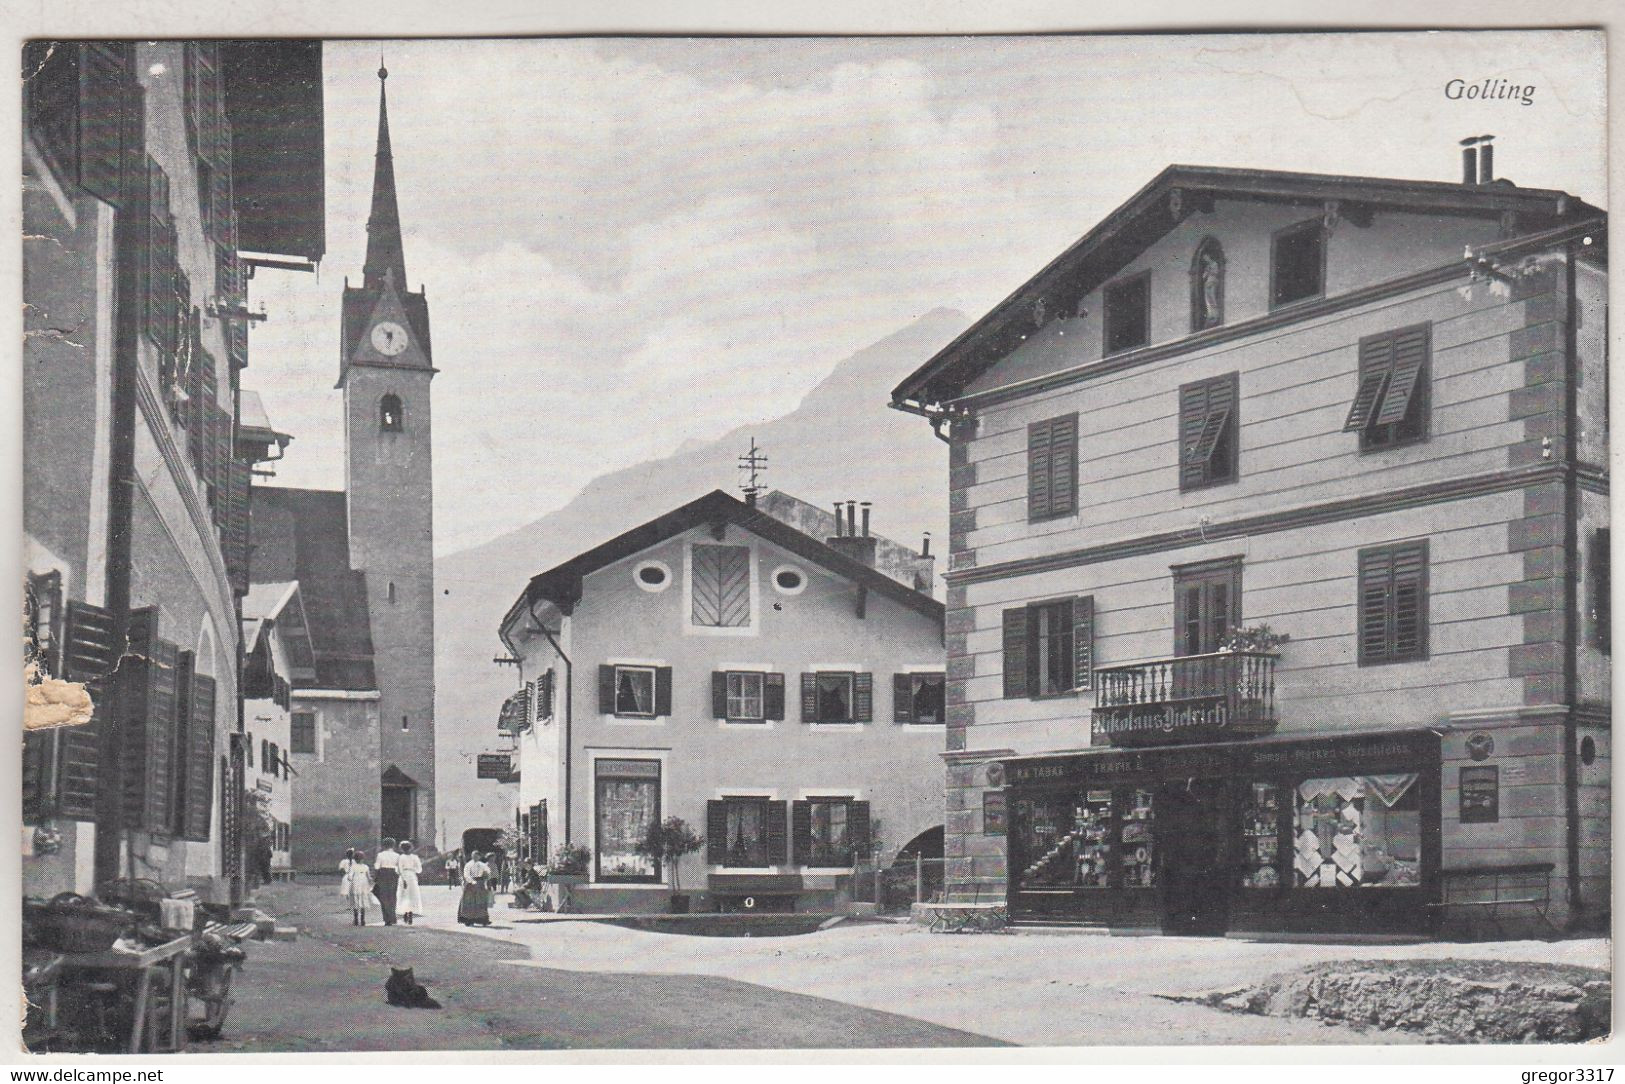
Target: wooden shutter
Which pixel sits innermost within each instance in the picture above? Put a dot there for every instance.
(52, 97)
(185, 690)
(1015, 652)
(809, 698)
(1083, 642)
(800, 833)
(721, 586)
(1601, 571)
(662, 690)
(1038, 471)
(606, 690)
(219, 195)
(719, 694)
(857, 829)
(863, 698)
(716, 833)
(160, 259)
(1410, 627)
(90, 652)
(778, 834)
(104, 79)
(1410, 355)
(148, 725)
(1063, 465)
(773, 696)
(206, 96)
(239, 542)
(1193, 412)
(902, 698)
(1376, 366)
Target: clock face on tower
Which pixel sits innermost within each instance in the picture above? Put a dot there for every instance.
(388, 338)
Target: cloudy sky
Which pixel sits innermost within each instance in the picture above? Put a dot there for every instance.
(629, 243)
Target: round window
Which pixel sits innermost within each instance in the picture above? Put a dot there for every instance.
(789, 580)
(1588, 751)
(652, 576)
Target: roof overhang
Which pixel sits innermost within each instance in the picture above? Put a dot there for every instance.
(1162, 204)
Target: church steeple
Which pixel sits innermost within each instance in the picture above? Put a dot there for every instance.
(385, 252)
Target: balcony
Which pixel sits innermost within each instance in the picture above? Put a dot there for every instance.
(1226, 694)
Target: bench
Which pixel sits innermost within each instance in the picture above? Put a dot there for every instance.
(1470, 891)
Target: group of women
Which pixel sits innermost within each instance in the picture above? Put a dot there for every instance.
(361, 888)
(358, 884)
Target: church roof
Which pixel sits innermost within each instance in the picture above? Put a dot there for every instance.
(303, 535)
(385, 253)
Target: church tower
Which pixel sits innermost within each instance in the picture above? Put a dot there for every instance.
(385, 368)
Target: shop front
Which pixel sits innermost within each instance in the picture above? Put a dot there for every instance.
(1307, 835)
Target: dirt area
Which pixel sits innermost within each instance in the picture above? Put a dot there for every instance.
(1448, 1000)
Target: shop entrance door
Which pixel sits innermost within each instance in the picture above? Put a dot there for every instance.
(1192, 842)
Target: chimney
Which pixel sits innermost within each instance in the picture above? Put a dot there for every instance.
(1486, 160)
(925, 545)
(847, 542)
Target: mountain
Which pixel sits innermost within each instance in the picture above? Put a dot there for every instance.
(842, 442)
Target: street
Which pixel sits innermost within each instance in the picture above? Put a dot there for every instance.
(325, 992)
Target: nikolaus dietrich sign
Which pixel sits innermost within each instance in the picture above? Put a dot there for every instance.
(1130, 722)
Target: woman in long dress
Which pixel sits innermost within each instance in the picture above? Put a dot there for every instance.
(358, 888)
(344, 870)
(408, 900)
(475, 907)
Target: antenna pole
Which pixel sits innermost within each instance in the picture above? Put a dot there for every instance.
(752, 464)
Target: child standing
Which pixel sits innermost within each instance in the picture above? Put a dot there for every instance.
(358, 887)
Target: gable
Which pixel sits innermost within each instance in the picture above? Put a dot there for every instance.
(363, 308)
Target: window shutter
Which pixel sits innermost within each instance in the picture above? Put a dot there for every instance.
(721, 586)
(719, 694)
(1193, 414)
(1083, 642)
(185, 672)
(148, 725)
(1410, 603)
(716, 833)
(1015, 652)
(1038, 470)
(89, 655)
(773, 696)
(662, 690)
(206, 95)
(809, 698)
(52, 102)
(606, 690)
(1376, 574)
(778, 832)
(237, 543)
(1601, 586)
(220, 189)
(1410, 354)
(857, 829)
(902, 696)
(160, 258)
(863, 698)
(1063, 465)
(200, 760)
(104, 78)
(1376, 366)
(800, 833)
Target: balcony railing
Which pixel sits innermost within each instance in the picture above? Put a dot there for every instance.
(1186, 698)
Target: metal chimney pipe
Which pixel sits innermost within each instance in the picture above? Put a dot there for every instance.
(852, 518)
(838, 532)
(1486, 161)
(925, 546)
(1469, 160)
(866, 519)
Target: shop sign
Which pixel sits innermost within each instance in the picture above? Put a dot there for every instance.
(1480, 792)
(1156, 721)
(260, 784)
(993, 813)
(493, 766)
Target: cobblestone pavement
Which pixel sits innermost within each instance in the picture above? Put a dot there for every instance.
(325, 992)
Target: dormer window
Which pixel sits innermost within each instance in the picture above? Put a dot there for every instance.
(1298, 263)
(1128, 313)
(389, 414)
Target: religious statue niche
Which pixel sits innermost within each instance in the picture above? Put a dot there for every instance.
(1207, 285)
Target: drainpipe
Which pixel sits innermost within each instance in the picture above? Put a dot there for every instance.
(1572, 630)
(569, 692)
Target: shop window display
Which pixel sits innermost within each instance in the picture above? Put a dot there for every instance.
(1066, 840)
(1138, 868)
(1261, 837)
(1358, 831)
